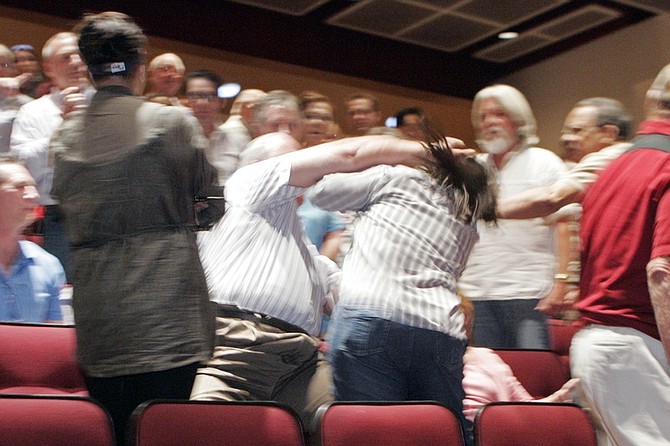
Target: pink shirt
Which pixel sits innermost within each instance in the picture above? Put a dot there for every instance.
(487, 378)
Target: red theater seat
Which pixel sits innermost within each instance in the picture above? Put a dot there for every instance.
(39, 359)
(541, 372)
(387, 423)
(533, 423)
(214, 423)
(53, 420)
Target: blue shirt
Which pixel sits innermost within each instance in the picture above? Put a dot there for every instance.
(30, 292)
(317, 223)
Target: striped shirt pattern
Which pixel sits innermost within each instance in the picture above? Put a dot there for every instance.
(408, 249)
(256, 257)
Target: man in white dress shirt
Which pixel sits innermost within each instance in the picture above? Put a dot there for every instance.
(264, 279)
(37, 120)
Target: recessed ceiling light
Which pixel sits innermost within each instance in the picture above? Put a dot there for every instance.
(508, 35)
(230, 90)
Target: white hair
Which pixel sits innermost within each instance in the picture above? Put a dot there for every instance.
(515, 105)
(48, 48)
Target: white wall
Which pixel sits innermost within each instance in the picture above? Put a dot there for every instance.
(621, 65)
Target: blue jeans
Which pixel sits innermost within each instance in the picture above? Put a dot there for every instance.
(510, 324)
(374, 359)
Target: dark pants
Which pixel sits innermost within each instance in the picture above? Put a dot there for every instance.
(122, 394)
(55, 237)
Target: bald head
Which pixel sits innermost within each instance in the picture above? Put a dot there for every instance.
(165, 75)
(268, 146)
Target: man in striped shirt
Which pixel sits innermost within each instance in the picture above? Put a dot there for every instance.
(263, 277)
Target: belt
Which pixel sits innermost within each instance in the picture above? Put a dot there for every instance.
(235, 312)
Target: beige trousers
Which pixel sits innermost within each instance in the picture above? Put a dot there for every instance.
(255, 361)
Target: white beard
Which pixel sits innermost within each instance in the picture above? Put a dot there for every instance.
(496, 146)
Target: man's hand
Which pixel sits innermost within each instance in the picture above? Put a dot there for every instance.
(73, 100)
(9, 86)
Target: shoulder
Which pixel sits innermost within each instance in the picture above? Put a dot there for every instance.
(540, 153)
(36, 106)
(38, 254)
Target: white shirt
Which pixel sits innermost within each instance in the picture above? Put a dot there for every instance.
(586, 172)
(408, 247)
(31, 133)
(225, 147)
(9, 107)
(256, 256)
(515, 259)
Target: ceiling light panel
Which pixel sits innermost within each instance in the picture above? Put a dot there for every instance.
(292, 7)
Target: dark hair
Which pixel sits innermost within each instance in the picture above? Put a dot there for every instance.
(111, 44)
(610, 112)
(373, 99)
(400, 116)
(466, 179)
(309, 97)
(204, 74)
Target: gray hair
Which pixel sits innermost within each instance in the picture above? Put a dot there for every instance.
(659, 92)
(48, 48)
(7, 53)
(276, 98)
(610, 112)
(515, 104)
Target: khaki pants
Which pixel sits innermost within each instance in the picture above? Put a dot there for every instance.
(255, 361)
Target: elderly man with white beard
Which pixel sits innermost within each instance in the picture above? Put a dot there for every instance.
(513, 273)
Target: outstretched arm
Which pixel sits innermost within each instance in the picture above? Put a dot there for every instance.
(658, 281)
(539, 201)
(352, 155)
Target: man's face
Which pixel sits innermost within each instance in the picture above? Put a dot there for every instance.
(202, 98)
(581, 134)
(166, 77)
(7, 67)
(412, 127)
(318, 117)
(496, 127)
(18, 193)
(65, 67)
(26, 62)
(281, 119)
(362, 116)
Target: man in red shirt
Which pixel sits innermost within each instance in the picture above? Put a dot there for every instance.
(621, 354)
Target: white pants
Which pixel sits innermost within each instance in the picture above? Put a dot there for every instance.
(625, 380)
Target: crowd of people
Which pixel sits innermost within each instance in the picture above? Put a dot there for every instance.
(124, 168)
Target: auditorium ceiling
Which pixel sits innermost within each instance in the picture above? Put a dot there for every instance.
(452, 47)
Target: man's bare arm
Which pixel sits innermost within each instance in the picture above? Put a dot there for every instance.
(539, 201)
(658, 281)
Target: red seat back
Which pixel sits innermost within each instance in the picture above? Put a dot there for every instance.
(560, 338)
(49, 420)
(39, 358)
(214, 423)
(388, 424)
(541, 372)
(533, 423)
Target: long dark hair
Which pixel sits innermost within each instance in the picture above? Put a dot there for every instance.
(465, 178)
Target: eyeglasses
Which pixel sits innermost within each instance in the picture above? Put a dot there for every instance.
(210, 97)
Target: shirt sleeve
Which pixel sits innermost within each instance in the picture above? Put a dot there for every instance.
(661, 242)
(261, 185)
(30, 143)
(350, 191)
(586, 172)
